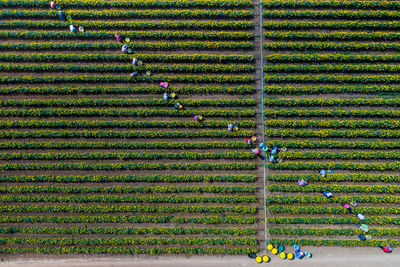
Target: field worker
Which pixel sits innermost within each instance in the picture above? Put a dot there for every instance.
(72, 28)
(124, 49)
(53, 4)
(118, 37)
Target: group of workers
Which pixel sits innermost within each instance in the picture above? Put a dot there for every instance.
(64, 17)
(348, 208)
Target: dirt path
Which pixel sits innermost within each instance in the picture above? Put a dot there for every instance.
(323, 256)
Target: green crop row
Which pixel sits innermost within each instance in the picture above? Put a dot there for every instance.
(364, 155)
(88, 90)
(124, 102)
(383, 166)
(122, 145)
(100, 68)
(331, 232)
(129, 219)
(286, 123)
(321, 68)
(332, 14)
(128, 178)
(331, 210)
(187, 78)
(137, 35)
(126, 58)
(127, 199)
(135, 209)
(127, 241)
(284, 133)
(363, 79)
(129, 25)
(333, 58)
(329, 89)
(379, 220)
(383, 189)
(361, 177)
(124, 112)
(121, 124)
(123, 134)
(323, 102)
(131, 3)
(339, 199)
(129, 155)
(331, 25)
(333, 242)
(129, 189)
(153, 250)
(353, 144)
(148, 46)
(332, 35)
(129, 166)
(130, 14)
(332, 46)
(128, 231)
(368, 113)
(374, 4)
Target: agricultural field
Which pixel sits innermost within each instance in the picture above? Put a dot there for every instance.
(331, 75)
(94, 161)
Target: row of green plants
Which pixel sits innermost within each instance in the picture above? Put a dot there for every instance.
(130, 189)
(131, 25)
(328, 89)
(129, 251)
(322, 68)
(302, 199)
(121, 124)
(332, 14)
(331, 25)
(378, 220)
(332, 58)
(360, 177)
(125, 112)
(122, 134)
(324, 113)
(127, 199)
(185, 78)
(122, 102)
(131, 3)
(128, 231)
(331, 210)
(326, 133)
(136, 209)
(128, 241)
(147, 46)
(137, 35)
(332, 242)
(385, 189)
(331, 232)
(158, 68)
(363, 79)
(129, 219)
(367, 155)
(351, 166)
(353, 144)
(297, 123)
(129, 166)
(350, 4)
(130, 14)
(332, 46)
(236, 178)
(131, 155)
(123, 145)
(124, 58)
(135, 89)
(332, 35)
(310, 102)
